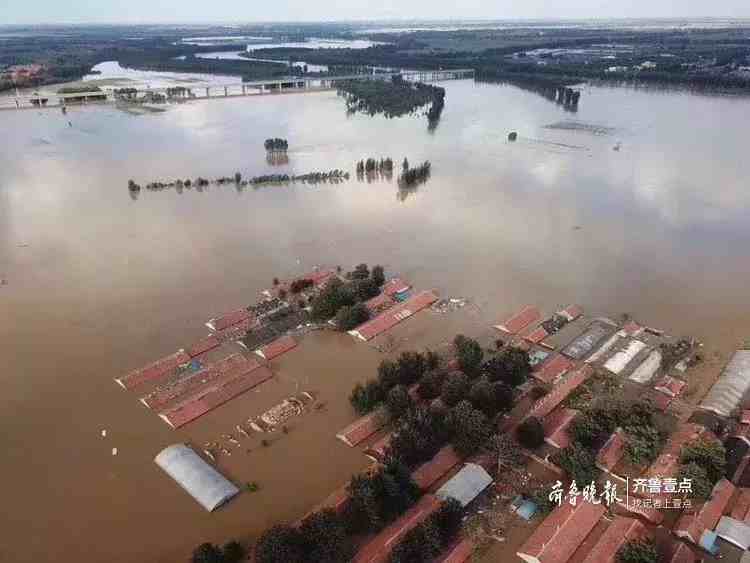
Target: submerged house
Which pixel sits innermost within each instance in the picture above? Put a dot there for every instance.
(734, 382)
(199, 479)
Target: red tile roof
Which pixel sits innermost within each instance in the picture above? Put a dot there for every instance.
(379, 548)
(219, 393)
(681, 553)
(394, 286)
(667, 464)
(237, 331)
(651, 515)
(361, 429)
(155, 370)
(394, 315)
(337, 500)
(660, 401)
(633, 328)
(611, 452)
(204, 345)
(520, 320)
(745, 417)
(559, 535)
(741, 508)
(537, 335)
(691, 525)
(670, 386)
(378, 450)
(429, 472)
(379, 303)
(619, 532)
(553, 368)
(560, 392)
(229, 319)
(556, 427)
(276, 348)
(193, 384)
(459, 552)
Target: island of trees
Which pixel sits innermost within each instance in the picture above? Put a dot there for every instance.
(374, 167)
(413, 176)
(393, 98)
(276, 145)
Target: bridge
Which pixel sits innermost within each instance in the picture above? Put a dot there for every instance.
(204, 91)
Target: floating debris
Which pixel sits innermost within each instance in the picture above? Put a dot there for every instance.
(104, 433)
(209, 455)
(449, 305)
(114, 451)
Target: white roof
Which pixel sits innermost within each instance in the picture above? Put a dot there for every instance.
(206, 485)
(728, 391)
(465, 485)
(734, 531)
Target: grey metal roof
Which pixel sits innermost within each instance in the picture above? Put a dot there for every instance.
(465, 485)
(584, 343)
(734, 531)
(728, 391)
(206, 485)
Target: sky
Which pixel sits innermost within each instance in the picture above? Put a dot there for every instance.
(203, 11)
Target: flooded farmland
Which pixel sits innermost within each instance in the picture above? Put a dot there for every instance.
(98, 283)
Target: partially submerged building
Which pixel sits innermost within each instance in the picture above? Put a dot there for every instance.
(393, 316)
(431, 471)
(466, 485)
(697, 525)
(199, 479)
(727, 393)
(558, 537)
(520, 320)
(361, 429)
(379, 548)
(621, 531)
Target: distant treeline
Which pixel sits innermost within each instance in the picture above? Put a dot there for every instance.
(555, 89)
(333, 176)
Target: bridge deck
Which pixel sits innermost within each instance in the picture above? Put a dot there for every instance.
(202, 91)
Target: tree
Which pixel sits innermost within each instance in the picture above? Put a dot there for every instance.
(540, 497)
(405, 164)
(421, 543)
(430, 385)
(509, 455)
(701, 485)
(334, 296)
(365, 289)
(280, 544)
(470, 427)
(643, 444)
(469, 354)
(398, 402)
(364, 398)
(490, 398)
(511, 366)
(448, 520)
(579, 463)
(233, 552)
(411, 366)
(455, 389)
(531, 433)
(708, 454)
(360, 272)
(349, 317)
(207, 553)
(638, 551)
(362, 512)
(324, 537)
(378, 275)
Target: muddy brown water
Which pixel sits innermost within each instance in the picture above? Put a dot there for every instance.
(99, 283)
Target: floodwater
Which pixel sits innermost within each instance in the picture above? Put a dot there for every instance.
(99, 283)
(112, 74)
(237, 57)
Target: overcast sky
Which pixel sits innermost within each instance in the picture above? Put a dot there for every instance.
(196, 11)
